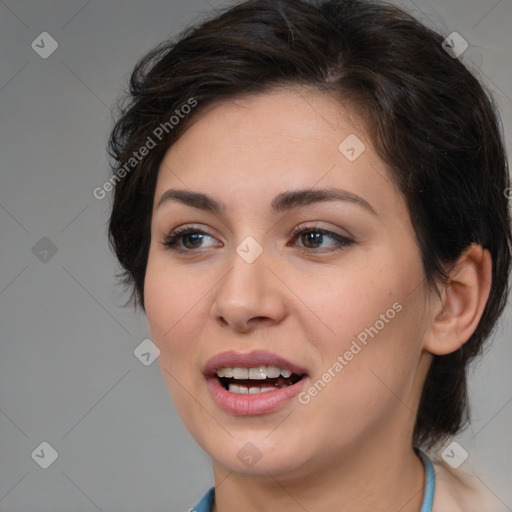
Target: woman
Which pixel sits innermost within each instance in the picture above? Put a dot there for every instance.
(310, 208)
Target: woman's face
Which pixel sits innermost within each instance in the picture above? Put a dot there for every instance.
(342, 304)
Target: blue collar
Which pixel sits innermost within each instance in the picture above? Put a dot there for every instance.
(205, 505)
(430, 482)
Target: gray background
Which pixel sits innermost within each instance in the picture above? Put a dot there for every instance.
(68, 375)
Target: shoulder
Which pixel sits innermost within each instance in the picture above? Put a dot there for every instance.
(461, 491)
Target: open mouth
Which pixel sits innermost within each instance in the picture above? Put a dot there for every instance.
(259, 379)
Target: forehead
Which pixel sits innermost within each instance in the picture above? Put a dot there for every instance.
(246, 151)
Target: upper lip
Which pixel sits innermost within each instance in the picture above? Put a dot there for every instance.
(233, 359)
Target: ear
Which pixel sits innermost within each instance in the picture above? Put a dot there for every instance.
(463, 300)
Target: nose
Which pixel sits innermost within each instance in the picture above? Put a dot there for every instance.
(249, 296)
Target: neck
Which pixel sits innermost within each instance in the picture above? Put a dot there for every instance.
(363, 482)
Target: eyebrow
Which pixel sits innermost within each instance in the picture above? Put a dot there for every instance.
(282, 202)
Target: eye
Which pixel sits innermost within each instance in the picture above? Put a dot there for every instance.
(314, 238)
(187, 238)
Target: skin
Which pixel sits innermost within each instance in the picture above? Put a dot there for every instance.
(350, 447)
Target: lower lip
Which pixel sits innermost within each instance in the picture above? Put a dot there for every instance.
(259, 403)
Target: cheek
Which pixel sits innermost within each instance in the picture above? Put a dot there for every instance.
(377, 344)
(173, 301)
(175, 315)
(368, 370)
(371, 317)
(344, 302)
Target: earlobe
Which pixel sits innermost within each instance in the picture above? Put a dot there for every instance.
(463, 299)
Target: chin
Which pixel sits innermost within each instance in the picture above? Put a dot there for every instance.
(258, 455)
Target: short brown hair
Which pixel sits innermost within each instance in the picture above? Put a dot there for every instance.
(429, 119)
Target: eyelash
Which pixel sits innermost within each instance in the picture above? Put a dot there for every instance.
(172, 240)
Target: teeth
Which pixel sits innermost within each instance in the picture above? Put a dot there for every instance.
(256, 373)
(273, 372)
(244, 390)
(241, 390)
(225, 372)
(241, 373)
(259, 373)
